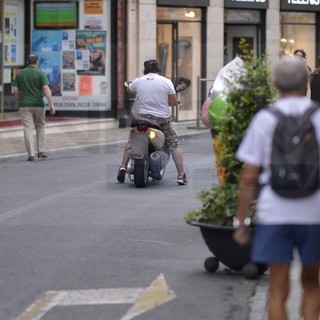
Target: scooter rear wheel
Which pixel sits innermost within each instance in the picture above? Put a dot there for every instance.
(141, 172)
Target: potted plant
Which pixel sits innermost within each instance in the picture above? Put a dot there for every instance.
(251, 91)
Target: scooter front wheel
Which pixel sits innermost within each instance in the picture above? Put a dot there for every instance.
(141, 172)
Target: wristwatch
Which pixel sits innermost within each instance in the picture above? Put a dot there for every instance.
(236, 222)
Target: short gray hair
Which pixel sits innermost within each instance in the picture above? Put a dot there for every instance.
(291, 74)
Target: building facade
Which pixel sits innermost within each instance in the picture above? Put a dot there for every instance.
(192, 40)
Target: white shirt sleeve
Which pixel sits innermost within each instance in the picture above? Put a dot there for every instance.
(255, 146)
(171, 89)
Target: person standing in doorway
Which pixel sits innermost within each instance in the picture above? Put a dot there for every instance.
(29, 86)
(283, 225)
(300, 53)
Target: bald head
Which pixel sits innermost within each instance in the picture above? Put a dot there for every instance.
(291, 74)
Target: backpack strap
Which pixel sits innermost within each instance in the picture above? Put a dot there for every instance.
(314, 106)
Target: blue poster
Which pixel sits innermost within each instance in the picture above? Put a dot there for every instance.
(47, 44)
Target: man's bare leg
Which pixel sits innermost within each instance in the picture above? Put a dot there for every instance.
(278, 291)
(311, 292)
(178, 160)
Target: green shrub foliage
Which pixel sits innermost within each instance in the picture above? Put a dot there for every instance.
(251, 91)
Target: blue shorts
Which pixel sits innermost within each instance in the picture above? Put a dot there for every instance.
(274, 244)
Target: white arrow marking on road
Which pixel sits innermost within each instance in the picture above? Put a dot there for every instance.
(156, 294)
(144, 299)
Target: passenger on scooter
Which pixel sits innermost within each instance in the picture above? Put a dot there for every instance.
(155, 95)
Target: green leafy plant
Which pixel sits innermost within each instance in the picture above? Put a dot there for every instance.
(251, 91)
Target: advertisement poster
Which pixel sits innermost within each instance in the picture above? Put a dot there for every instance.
(91, 45)
(10, 33)
(74, 62)
(69, 81)
(93, 7)
(69, 40)
(47, 45)
(93, 14)
(85, 86)
(68, 59)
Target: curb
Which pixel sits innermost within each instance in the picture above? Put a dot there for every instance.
(84, 147)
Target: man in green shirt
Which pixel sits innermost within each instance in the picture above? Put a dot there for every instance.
(29, 86)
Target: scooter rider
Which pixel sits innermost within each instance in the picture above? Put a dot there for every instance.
(155, 94)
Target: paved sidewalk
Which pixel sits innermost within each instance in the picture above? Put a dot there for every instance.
(76, 134)
(86, 134)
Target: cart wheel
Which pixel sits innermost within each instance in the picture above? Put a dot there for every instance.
(250, 271)
(211, 264)
(262, 268)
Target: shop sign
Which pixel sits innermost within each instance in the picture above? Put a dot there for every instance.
(184, 3)
(248, 4)
(300, 5)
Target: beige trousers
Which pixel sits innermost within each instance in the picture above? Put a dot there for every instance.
(33, 117)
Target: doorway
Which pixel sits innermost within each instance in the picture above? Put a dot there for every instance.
(233, 37)
(179, 56)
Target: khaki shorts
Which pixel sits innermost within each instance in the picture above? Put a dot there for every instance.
(166, 125)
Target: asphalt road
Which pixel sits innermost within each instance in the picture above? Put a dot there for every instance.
(76, 244)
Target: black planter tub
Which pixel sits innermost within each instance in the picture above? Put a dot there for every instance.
(225, 250)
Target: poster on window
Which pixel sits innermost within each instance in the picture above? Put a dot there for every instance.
(47, 45)
(69, 81)
(68, 59)
(10, 33)
(74, 62)
(91, 52)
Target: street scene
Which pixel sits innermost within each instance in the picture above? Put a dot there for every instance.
(156, 157)
(68, 228)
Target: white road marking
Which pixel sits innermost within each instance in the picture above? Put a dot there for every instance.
(156, 294)
(144, 299)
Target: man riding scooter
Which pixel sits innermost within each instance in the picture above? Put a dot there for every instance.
(155, 95)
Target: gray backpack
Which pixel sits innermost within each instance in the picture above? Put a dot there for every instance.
(294, 155)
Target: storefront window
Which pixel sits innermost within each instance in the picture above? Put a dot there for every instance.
(74, 51)
(179, 14)
(298, 17)
(179, 54)
(298, 31)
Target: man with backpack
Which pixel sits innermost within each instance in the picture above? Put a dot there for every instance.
(280, 151)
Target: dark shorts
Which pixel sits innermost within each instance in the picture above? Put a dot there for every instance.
(167, 128)
(274, 244)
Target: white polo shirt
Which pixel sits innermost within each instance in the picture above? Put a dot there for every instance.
(152, 92)
(255, 149)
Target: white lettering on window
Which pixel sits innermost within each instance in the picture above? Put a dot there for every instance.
(305, 2)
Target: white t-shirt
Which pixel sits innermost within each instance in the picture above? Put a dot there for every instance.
(255, 149)
(152, 93)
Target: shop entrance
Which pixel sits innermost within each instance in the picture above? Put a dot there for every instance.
(234, 34)
(243, 24)
(179, 56)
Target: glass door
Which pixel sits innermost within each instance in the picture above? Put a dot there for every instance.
(234, 34)
(179, 56)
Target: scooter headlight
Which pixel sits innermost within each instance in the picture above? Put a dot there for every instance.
(152, 134)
